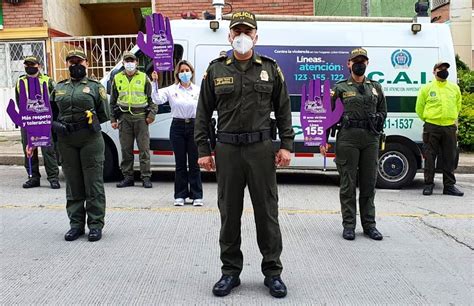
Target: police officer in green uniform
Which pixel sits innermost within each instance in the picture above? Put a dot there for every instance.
(133, 110)
(438, 104)
(244, 88)
(357, 144)
(32, 69)
(79, 106)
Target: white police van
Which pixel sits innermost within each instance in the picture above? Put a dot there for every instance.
(401, 59)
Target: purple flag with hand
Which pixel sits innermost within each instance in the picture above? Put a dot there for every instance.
(34, 112)
(317, 115)
(159, 42)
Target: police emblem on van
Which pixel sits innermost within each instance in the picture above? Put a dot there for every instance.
(401, 59)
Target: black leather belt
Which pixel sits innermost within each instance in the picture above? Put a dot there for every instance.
(361, 124)
(74, 127)
(244, 138)
(189, 120)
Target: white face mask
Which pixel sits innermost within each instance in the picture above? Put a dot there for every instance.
(130, 66)
(242, 43)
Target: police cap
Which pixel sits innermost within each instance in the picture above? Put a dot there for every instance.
(77, 52)
(243, 17)
(129, 55)
(31, 59)
(441, 64)
(358, 52)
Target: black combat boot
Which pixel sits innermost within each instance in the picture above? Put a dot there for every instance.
(126, 182)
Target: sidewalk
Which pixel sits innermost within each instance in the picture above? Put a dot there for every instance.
(11, 153)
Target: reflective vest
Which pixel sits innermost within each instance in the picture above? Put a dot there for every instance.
(131, 94)
(43, 78)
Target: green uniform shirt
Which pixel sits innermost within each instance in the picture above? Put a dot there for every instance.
(360, 99)
(243, 100)
(439, 103)
(114, 97)
(70, 99)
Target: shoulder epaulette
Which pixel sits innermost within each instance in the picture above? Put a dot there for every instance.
(219, 59)
(268, 58)
(340, 81)
(93, 80)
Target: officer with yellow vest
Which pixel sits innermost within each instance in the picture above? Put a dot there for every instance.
(133, 110)
(32, 69)
(438, 105)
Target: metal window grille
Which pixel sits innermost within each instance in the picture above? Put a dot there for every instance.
(103, 53)
(437, 3)
(11, 59)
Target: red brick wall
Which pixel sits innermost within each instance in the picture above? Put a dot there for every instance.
(27, 13)
(174, 8)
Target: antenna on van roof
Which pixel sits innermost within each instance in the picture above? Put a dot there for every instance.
(218, 5)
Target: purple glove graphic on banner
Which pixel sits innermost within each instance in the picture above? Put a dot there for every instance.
(159, 42)
(316, 114)
(34, 112)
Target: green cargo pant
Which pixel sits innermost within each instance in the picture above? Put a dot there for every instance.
(439, 141)
(131, 128)
(250, 165)
(82, 155)
(357, 153)
(49, 157)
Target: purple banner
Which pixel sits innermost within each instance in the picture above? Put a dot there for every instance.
(34, 113)
(316, 115)
(159, 42)
(303, 64)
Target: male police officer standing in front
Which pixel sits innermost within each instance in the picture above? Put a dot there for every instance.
(438, 105)
(133, 110)
(244, 88)
(357, 144)
(79, 106)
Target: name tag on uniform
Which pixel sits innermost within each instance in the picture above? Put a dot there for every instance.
(348, 94)
(86, 90)
(60, 92)
(223, 81)
(374, 91)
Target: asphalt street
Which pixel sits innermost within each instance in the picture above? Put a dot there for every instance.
(155, 253)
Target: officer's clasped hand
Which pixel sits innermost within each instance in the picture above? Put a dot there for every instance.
(283, 158)
(207, 162)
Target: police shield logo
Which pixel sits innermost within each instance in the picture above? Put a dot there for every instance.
(401, 59)
(432, 94)
(264, 75)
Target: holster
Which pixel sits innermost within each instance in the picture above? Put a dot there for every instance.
(212, 133)
(273, 128)
(95, 125)
(60, 128)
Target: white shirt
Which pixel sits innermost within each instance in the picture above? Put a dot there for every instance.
(183, 101)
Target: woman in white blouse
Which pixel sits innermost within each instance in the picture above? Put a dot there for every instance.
(183, 98)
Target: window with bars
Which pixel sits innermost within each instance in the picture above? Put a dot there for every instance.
(437, 3)
(11, 59)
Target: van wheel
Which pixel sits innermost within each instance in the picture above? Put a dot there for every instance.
(397, 167)
(110, 169)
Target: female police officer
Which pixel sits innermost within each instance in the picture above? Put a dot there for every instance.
(357, 144)
(79, 106)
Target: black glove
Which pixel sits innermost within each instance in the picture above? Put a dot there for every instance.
(60, 128)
